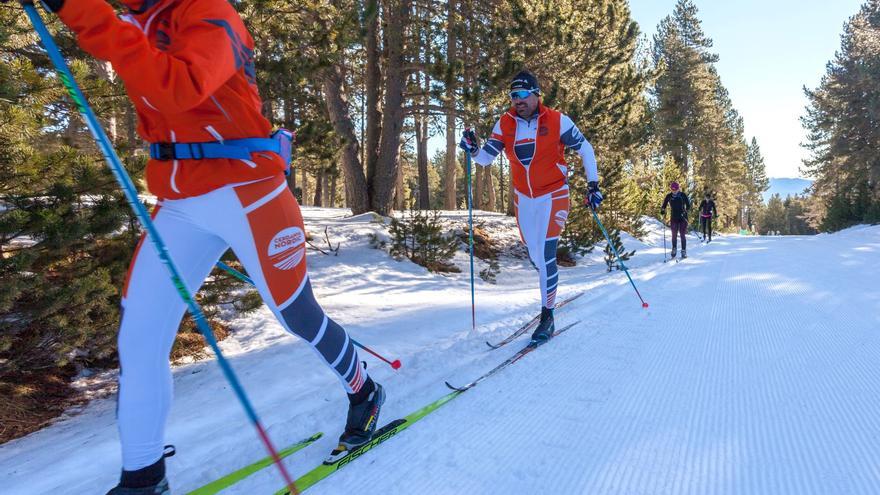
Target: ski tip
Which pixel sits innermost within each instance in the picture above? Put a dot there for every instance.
(492, 346)
(453, 387)
(315, 437)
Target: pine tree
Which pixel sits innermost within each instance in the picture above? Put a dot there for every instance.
(611, 260)
(756, 181)
(773, 218)
(683, 91)
(842, 122)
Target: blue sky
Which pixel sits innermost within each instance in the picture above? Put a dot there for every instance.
(770, 50)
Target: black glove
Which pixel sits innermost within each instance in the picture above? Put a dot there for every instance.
(594, 196)
(469, 142)
(53, 5)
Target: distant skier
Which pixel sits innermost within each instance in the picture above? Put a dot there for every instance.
(678, 220)
(707, 213)
(188, 68)
(534, 138)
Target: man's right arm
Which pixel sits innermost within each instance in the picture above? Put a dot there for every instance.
(493, 147)
(203, 59)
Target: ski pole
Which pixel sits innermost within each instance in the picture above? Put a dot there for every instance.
(664, 239)
(244, 278)
(394, 364)
(622, 265)
(140, 211)
(471, 238)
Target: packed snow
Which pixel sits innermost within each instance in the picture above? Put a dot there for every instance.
(754, 370)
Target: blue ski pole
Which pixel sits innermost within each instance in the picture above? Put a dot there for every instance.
(622, 265)
(244, 278)
(471, 239)
(143, 217)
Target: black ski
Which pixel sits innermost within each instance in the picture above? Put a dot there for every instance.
(531, 324)
(512, 359)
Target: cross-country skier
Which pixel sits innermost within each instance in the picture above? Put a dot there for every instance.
(188, 68)
(678, 220)
(534, 139)
(707, 213)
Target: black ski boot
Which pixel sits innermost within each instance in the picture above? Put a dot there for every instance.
(150, 480)
(363, 414)
(672, 254)
(684, 254)
(545, 328)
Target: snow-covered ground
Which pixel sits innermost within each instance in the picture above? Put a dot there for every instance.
(756, 370)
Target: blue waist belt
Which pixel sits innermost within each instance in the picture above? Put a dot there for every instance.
(231, 148)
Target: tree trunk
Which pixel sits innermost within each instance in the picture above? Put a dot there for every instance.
(289, 124)
(511, 211)
(319, 188)
(331, 199)
(478, 185)
(490, 190)
(422, 159)
(105, 70)
(326, 195)
(131, 126)
(399, 190)
(422, 139)
(382, 186)
(305, 183)
(372, 82)
(337, 108)
(501, 182)
(449, 199)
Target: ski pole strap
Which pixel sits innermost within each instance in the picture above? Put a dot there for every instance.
(230, 148)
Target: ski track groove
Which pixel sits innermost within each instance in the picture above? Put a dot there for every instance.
(755, 371)
(753, 378)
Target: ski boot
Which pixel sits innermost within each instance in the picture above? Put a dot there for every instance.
(363, 414)
(149, 480)
(684, 254)
(672, 254)
(545, 328)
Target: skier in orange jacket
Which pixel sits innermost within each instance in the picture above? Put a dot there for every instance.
(534, 139)
(188, 67)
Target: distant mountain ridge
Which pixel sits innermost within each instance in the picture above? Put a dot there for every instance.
(785, 187)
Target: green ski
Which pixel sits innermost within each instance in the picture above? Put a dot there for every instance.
(233, 478)
(388, 431)
(393, 428)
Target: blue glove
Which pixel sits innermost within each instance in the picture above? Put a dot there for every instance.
(469, 142)
(594, 196)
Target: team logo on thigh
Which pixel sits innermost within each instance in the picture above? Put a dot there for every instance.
(561, 217)
(287, 248)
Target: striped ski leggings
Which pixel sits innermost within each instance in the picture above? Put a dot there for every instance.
(540, 222)
(262, 223)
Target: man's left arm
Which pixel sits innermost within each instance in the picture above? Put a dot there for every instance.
(571, 137)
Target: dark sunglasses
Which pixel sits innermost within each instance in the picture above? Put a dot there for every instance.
(520, 95)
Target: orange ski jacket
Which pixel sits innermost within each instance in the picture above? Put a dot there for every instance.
(188, 67)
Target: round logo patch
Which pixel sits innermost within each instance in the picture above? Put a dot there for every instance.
(288, 248)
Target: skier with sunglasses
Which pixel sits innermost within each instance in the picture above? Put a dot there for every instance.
(534, 138)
